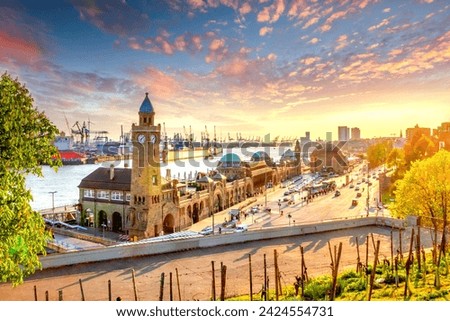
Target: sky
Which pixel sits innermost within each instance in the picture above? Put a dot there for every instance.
(247, 67)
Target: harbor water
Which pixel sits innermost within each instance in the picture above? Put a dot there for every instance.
(66, 179)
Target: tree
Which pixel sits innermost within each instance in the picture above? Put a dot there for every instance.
(425, 192)
(419, 147)
(378, 153)
(26, 143)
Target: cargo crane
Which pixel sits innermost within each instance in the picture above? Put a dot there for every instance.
(188, 137)
(81, 131)
(206, 138)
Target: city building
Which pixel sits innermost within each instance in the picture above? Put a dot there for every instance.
(416, 130)
(356, 133)
(343, 133)
(328, 158)
(442, 135)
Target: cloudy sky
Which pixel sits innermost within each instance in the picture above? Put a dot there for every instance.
(243, 66)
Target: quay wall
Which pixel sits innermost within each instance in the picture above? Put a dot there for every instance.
(128, 250)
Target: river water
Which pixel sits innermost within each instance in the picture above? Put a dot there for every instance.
(67, 178)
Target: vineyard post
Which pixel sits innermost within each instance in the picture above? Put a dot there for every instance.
(109, 291)
(250, 276)
(134, 285)
(223, 275)
(170, 287)
(276, 274)
(161, 287)
(374, 268)
(81, 289)
(213, 284)
(265, 284)
(178, 284)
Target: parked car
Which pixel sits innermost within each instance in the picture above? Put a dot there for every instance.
(354, 202)
(241, 228)
(358, 194)
(206, 231)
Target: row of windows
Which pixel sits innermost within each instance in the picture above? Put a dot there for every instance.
(106, 195)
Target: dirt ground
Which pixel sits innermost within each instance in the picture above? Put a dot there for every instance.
(190, 272)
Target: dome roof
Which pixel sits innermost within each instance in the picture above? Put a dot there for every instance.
(288, 153)
(230, 158)
(146, 106)
(260, 156)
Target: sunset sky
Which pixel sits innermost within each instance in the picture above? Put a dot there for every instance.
(255, 67)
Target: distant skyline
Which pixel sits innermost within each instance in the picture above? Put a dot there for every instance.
(258, 67)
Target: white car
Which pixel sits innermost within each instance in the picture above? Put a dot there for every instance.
(241, 228)
(206, 231)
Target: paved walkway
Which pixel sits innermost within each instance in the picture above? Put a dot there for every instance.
(191, 271)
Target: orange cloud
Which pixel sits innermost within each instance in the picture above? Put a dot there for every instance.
(14, 49)
(156, 81)
(265, 30)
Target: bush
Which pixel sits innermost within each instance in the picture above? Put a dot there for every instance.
(318, 289)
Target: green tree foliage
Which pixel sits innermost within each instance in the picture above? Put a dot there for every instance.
(26, 143)
(425, 192)
(377, 154)
(425, 188)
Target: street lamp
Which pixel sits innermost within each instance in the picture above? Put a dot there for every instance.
(53, 205)
(279, 206)
(212, 218)
(290, 216)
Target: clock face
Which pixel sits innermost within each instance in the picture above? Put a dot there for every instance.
(141, 139)
(153, 138)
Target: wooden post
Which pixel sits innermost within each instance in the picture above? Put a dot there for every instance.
(265, 284)
(408, 265)
(46, 295)
(81, 289)
(134, 285)
(178, 285)
(60, 295)
(400, 247)
(223, 275)
(367, 251)
(170, 287)
(213, 285)
(161, 287)
(392, 250)
(250, 276)
(109, 291)
(358, 258)
(418, 249)
(35, 293)
(334, 268)
(372, 274)
(276, 274)
(304, 276)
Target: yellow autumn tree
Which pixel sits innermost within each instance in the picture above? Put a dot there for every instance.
(424, 191)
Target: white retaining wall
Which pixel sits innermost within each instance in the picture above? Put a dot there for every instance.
(127, 250)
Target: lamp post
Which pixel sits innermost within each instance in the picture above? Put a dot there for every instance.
(212, 218)
(279, 206)
(53, 205)
(290, 216)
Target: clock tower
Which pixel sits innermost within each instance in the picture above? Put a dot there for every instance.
(145, 215)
